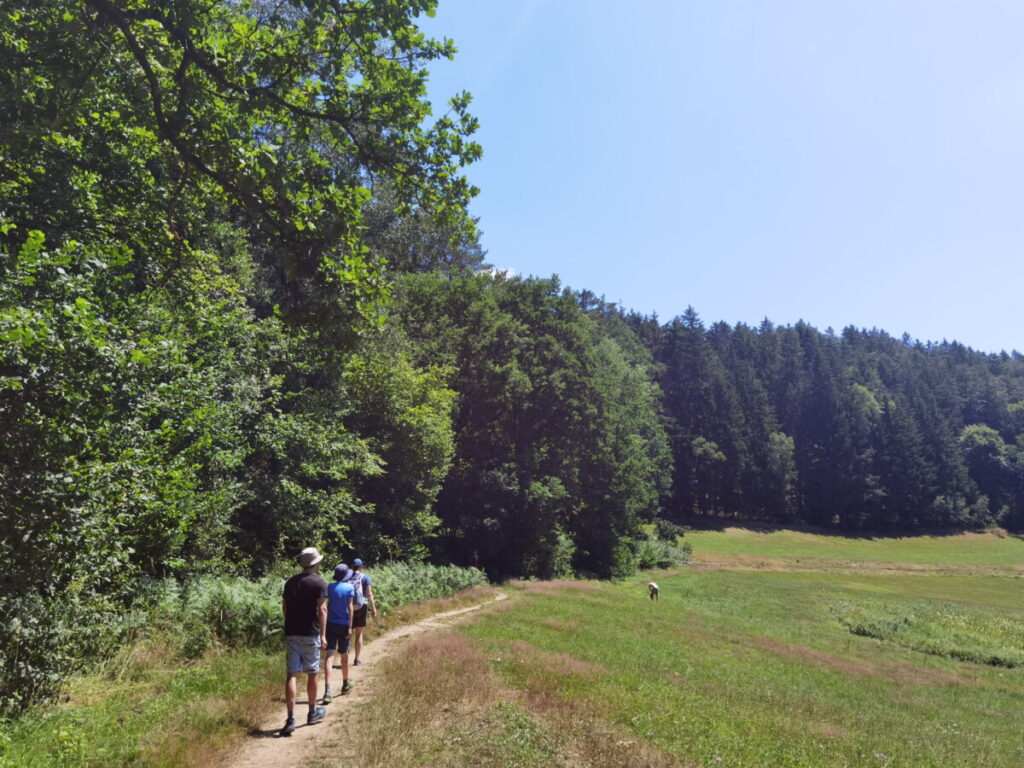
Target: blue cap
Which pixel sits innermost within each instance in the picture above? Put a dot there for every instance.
(340, 571)
(357, 561)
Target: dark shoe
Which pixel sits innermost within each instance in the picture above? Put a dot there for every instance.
(346, 688)
(356, 663)
(289, 727)
(327, 699)
(318, 714)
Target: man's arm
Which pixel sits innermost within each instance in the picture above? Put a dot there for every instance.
(321, 609)
(351, 614)
(369, 596)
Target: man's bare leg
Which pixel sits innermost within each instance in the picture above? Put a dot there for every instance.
(289, 693)
(327, 670)
(357, 642)
(311, 690)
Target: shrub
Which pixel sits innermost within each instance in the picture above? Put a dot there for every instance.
(656, 553)
(668, 530)
(396, 584)
(233, 612)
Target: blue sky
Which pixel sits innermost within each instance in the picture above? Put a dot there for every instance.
(844, 163)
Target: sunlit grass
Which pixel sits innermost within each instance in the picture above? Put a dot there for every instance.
(754, 668)
(148, 709)
(963, 548)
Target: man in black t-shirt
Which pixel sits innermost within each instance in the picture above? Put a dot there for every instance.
(305, 629)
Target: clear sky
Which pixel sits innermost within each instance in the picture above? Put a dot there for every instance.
(845, 163)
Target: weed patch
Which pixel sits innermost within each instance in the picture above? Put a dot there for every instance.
(955, 631)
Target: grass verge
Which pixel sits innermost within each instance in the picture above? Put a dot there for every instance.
(145, 708)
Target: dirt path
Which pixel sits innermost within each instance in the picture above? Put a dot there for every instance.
(265, 748)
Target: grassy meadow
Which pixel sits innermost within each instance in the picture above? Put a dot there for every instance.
(741, 666)
(938, 552)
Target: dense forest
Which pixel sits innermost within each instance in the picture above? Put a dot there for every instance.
(244, 309)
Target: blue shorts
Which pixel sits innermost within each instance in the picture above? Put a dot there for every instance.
(336, 637)
(303, 654)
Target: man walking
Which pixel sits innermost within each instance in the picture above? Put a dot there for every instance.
(340, 596)
(305, 630)
(363, 597)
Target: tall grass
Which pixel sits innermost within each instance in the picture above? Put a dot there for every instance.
(963, 632)
(396, 584)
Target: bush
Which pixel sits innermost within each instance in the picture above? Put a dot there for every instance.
(232, 612)
(667, 530)
(396, 584)
(655, 553)
(624, 562)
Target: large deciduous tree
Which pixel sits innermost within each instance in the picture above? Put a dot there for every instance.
(184, 192)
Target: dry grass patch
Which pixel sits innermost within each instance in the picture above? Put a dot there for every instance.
(894, 672)
(552, 663)
(433, 690)
(591, 741)
(556, 587)
(439, 705)
(563, 626)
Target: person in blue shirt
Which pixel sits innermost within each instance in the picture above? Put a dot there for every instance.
(340, 609)
(364, 596)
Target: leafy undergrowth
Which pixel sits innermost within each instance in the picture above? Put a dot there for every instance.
(396, 584)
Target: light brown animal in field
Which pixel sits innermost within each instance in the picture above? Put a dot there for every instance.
(652, 588)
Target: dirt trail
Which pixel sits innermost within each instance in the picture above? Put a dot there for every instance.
(265, 748)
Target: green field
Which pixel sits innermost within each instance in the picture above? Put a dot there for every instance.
(746, 667)
(984, 549)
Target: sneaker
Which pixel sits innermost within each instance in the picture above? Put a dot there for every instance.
(356, 663)
(346, 688)
(289, 727)
(318, 714)
(327, 699)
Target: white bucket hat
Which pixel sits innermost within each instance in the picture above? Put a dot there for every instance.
(309, 557)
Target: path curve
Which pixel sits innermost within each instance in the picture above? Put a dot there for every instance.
(265, 748)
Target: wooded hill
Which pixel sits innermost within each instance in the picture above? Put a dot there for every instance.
(243, 310)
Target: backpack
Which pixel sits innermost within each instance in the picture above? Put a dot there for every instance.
(356, 580)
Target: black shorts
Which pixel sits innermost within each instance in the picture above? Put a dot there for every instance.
(336, 637)
(359, 617)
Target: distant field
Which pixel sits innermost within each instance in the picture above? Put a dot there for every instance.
(781, 667)
(963, 548)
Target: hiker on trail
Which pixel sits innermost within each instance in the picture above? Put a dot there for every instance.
(305, 629)
(340, 598)
(364, 596)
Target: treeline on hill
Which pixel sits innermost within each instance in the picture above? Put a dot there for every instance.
(857, 432)
(243, 309)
